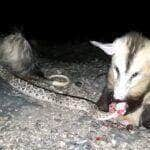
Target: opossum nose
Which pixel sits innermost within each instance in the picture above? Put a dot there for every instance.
(119, 97)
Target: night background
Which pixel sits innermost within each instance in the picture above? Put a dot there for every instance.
(52, 31)
(63, 30)
(61, 22)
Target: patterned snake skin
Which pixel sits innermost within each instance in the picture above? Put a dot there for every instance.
(35, 91)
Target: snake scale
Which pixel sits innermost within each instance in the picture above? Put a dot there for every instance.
(32, 89)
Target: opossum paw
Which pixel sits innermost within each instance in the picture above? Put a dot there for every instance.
(145, 117)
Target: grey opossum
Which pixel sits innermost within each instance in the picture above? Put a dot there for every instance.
(17, 54)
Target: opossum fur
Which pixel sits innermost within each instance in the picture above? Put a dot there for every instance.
(16, 53)
(128, 77)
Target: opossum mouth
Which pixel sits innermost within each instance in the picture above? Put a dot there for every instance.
(118, 100)
(118, 106)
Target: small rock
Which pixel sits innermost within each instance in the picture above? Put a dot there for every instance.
(79, 84)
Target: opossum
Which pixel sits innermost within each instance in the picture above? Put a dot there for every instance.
(18, 57)
(16, 53)
(128, 78)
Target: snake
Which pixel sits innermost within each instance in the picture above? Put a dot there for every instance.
(39, 90)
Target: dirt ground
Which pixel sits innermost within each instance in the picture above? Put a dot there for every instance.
(26, 123)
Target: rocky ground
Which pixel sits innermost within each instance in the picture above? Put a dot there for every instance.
(26, 123)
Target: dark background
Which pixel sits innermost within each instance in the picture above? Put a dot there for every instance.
(77, 30)
(60, 31)
(62, 21)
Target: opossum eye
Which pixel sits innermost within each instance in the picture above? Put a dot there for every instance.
(134, 75)
(117, 70)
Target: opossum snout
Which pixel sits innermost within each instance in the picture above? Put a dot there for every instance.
(118, 100)
(120, 94)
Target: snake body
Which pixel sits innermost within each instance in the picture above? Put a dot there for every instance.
(36, 92)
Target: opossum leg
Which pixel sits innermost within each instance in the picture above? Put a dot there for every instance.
(105, 100)
(145, 117)
(134, 117)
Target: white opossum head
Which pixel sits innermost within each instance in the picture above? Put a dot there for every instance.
(129, 74)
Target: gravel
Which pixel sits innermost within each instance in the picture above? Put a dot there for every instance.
(27, 124)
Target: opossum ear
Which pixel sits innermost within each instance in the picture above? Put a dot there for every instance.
(108, 48)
